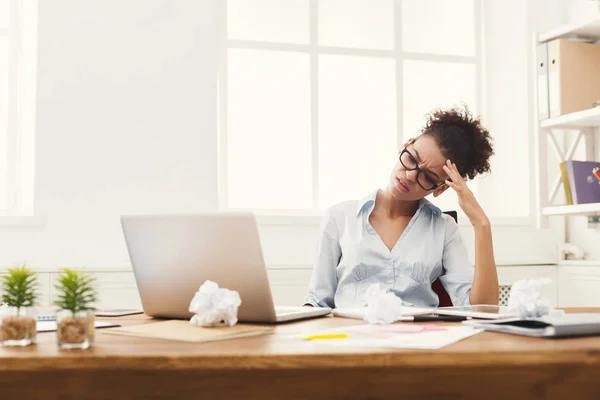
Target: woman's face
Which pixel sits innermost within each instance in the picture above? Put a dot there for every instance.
(406, 182)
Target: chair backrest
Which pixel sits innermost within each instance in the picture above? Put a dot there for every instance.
(436, 286)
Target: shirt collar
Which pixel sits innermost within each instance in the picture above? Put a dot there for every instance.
(369, 200)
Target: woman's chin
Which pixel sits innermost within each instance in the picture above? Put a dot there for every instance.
(397, 194)
(400, 195)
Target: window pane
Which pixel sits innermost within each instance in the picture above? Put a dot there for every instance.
(3, 119)
(269, 139)
(439, 26)
(269, 20)
(366, 24)
(4, 13)
(357, 126)
(429, 85)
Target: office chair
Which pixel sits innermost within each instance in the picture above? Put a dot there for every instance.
(436, 286)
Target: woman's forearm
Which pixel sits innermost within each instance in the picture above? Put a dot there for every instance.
(485, 283)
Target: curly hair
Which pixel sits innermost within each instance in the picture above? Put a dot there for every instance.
(462, 139)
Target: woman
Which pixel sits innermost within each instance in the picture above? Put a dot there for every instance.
(398, 239)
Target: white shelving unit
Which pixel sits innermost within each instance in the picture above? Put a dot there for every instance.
(578, 281)
(581, 125)
(567, 210)
(580, 119)
(581, 30)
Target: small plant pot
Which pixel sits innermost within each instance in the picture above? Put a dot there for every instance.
(18, 327)
(75, 331)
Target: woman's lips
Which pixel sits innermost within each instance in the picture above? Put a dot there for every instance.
(402, 186)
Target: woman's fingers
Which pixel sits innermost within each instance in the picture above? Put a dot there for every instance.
(452, 171)
(455, 181)
(452, 167)
(451, 184)
(455, 178)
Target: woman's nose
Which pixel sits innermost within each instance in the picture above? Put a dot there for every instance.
(411, 175)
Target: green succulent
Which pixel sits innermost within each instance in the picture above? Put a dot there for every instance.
(19, 287)
(76, 291)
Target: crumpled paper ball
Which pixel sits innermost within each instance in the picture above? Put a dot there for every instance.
(526, 300)
(383, 307)
(214, 306)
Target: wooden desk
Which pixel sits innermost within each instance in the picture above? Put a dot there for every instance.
(486, 366)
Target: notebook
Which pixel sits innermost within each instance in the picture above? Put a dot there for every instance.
(482, 311)
(183, 330)
(582, 324)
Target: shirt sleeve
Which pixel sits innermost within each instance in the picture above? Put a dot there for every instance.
(458, 272)
(323, 283)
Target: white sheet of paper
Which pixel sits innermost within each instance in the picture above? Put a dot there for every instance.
(429, 340)
(50, 326)
(361, 312)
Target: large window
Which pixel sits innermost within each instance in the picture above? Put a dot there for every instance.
(17, 105)
(8, 33)
(317, 96)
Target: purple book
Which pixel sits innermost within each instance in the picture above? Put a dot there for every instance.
(585, 187)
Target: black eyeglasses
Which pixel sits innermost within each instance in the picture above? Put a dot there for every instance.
(424, 179)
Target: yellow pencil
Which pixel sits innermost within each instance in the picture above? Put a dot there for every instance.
(325, 336)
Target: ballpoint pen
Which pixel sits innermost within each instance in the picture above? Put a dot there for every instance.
(434, 318)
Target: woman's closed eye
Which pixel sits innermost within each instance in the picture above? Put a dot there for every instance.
(430, 180)
(411, 161)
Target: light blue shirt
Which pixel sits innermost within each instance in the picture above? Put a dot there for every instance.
(351, 257)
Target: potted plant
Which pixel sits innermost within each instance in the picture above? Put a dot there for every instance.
(19, 293)
(76, 305)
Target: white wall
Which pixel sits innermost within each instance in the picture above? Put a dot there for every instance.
(576, 10)
(126, 123)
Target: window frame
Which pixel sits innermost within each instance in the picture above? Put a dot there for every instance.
(312, 216)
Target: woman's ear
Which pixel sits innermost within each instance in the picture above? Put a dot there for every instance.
(440, 190)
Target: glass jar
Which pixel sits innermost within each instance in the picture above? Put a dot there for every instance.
(75, 330)
(18, 326)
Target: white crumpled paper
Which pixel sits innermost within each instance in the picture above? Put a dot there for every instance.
(383, 307)
(214, 306)
(526, 299)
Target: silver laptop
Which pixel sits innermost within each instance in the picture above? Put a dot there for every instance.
(173, 255)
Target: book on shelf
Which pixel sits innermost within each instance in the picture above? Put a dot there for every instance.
(580, 181)
(565, 182)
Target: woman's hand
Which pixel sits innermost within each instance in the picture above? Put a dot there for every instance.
(466, 200)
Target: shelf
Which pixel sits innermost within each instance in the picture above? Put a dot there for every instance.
(581, 119)
(579, 263)
(586, 30)
(579, 209)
